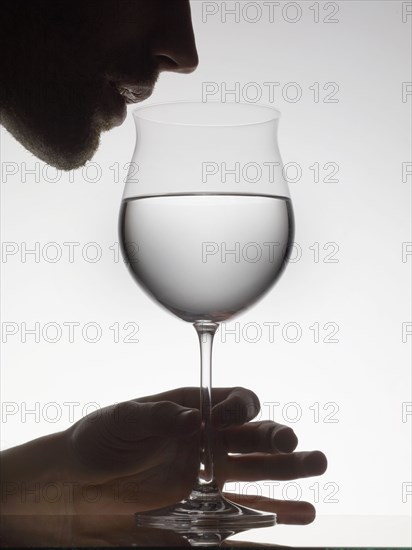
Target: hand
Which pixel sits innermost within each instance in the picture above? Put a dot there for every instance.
(143, 454)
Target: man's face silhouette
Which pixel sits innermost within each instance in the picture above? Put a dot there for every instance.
(69, 68)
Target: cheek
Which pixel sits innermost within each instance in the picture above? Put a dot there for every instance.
(121, 23)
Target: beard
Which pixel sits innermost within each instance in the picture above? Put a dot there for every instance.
(58, 75)
(60, 120)
(55, 98)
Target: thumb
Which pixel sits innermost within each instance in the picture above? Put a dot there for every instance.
(134, 420)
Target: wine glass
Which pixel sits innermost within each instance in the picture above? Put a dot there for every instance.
(206, 227)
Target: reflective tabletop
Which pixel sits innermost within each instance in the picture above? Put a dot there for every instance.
(115, 531)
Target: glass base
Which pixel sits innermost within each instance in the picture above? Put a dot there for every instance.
(206, 513)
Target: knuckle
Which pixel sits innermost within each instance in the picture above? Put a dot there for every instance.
(236, 410)
(121, 412)
(117, 418)
(163, 409)
(266, 427)
(251, 401)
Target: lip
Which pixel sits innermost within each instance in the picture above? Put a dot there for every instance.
(133, 93)
(115, 98)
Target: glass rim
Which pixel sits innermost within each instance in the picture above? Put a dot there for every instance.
(168, 113)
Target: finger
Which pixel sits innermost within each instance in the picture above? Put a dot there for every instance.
(260, 437)
(232, 406)
(190, 396)
(290, 512)
(131, 421)
(186, 397)
(280, 467)
(237, 407)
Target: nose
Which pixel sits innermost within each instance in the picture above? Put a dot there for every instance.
(175, 47)
(182, 61)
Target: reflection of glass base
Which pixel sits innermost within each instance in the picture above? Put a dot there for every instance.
(205, 515)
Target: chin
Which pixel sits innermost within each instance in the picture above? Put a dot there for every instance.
(63, 132)
(65, 150)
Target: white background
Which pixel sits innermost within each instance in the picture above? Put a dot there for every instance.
(364, 378)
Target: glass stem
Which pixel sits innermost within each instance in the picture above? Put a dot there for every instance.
(206, 481)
